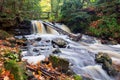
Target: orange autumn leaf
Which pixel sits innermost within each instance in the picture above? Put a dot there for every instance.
(95, 23)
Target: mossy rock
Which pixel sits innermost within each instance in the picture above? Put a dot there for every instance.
(86, 78)
(61, 43)
(102, 57)
(56, 51)
(109, 69)
(106, 62)
(60, 63)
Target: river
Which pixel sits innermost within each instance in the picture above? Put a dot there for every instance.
(81, 55)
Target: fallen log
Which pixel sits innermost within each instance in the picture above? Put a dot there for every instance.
(61, 31)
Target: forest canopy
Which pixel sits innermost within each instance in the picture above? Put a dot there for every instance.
(99, 18)
(25, 8)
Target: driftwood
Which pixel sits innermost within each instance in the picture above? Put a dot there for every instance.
(61, 31)
(45, 72)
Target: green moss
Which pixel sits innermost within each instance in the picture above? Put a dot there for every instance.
(62, 64)
(77, 77)
(15, 69)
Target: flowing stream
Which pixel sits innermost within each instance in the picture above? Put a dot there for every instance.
(80, 54)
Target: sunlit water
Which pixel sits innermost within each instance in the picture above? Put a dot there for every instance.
(80, 54)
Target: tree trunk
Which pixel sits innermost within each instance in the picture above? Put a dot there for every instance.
(1, 6)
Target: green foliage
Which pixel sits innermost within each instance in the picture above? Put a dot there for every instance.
(72, 15)
(77, 77)
(31, 9)
(70, 7)
(45, 5)
(55, 9)
(4, 34)
(107, 29)
(28, 9)
(11, 56)
(103, 1)
(94, 32)
(15, 69)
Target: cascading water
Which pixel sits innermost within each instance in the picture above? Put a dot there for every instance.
(96, 72)
(81, 54)
(38, 27)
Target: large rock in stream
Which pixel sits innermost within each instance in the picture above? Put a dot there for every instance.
(61, 64)
(106, 61)
(61, 43)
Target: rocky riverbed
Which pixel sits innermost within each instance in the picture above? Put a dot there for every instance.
(81, 57)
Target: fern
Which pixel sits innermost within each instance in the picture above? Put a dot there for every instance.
(15, 69)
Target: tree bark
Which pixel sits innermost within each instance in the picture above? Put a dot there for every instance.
(2, 5)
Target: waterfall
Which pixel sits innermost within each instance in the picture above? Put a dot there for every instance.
(38, 27)
(83, 63)
(97, 72)
(64, 27)
(81, 55)
(34, 30)
(51, 31)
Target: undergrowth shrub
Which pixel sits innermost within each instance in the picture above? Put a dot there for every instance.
(109, 28)
(75, 19)
(4, 34)
(15, 69)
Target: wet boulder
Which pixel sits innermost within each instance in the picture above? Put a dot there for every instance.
(112, 42)
(56, 51)
(106, 62)
(109, 68)
(101, 57)
(61, 64)
(61, 43)
(86, 78)
(38, 39)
